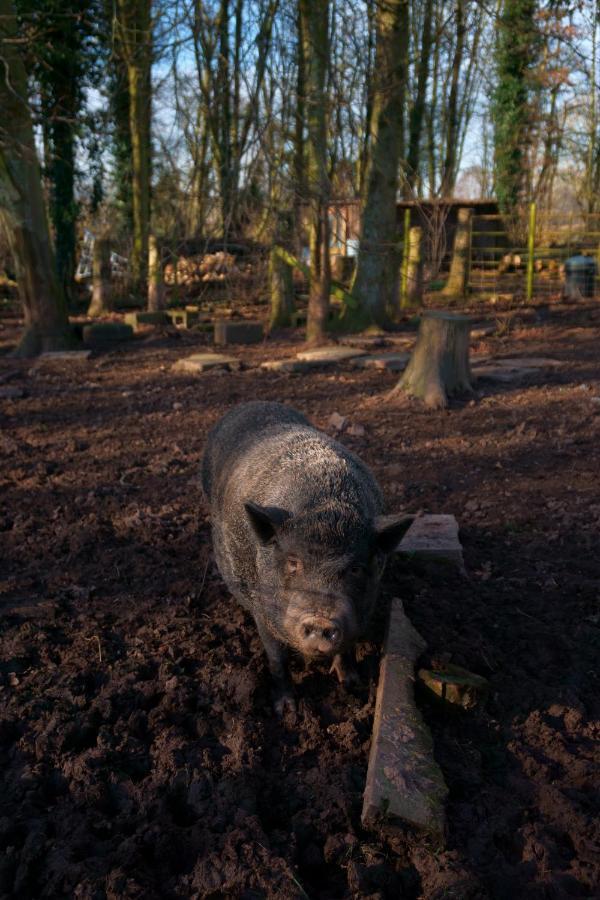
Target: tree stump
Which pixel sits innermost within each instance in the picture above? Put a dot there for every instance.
(101, 276)
(156, 287)
(458, 279)
(439, 366)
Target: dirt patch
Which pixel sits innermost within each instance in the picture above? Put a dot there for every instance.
(139, 754)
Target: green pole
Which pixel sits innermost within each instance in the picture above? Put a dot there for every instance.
(405, 253)
(531, 251)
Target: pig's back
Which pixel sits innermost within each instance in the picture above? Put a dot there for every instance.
(268, 453)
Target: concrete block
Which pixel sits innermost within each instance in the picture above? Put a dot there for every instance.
(182, 318)
(231, 332)
(455, 685)
(135, 319)
(404, 783)
(325, 356)
(204, 362)
(102, 334)
(433, 537)
(391, 362)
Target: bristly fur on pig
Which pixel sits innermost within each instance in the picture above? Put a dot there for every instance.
(325, 503)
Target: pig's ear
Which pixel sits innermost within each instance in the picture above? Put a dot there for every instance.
(389, 531)
(265, 520)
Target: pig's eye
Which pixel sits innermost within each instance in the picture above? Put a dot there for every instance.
(356, 571)
(293, 566)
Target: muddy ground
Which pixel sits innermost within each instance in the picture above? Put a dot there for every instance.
(139, 755)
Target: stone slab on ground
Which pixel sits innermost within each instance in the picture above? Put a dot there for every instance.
(204, 362)
(391, 362)
(503, 374)
(530, 362)
(64, 356)
(287, 365)
(433, 537)
(102, 334)
(135, 319)
(325, 356)
(404, 783)
(366, 341)
(227, 332)
(11, 392)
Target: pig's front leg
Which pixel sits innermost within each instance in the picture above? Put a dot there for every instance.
(283, 697)
(343, 666)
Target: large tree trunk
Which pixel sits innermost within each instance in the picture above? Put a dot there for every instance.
(135, 35)
(314, 23)
(439, 365)
(22, 210)
(417, 113)
(453, 117)
(375, 279)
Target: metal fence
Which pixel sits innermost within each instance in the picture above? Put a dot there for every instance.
(535, 258)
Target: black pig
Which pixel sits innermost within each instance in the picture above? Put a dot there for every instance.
(298, 534)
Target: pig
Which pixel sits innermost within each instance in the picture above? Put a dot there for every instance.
(299, 535)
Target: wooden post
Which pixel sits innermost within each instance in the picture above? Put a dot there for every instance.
(414, 269)
(458, 279)
(101, 277)
(439, 366)
(156, 287)
(281, 283)
(405, 253)
(530, 251)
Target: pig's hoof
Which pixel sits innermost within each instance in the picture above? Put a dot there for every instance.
(285, 703)
(346, 673)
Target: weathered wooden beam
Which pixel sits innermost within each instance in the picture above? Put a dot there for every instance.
(404, 783)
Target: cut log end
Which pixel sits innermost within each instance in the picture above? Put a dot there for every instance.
(439, 367)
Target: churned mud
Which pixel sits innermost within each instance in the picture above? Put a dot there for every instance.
(139, 757)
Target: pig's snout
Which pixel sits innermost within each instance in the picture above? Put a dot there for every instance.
(320, 636)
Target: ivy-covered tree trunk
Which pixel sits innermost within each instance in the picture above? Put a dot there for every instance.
(417, 112)
(517, 51)
(22, 209)
(134, 27)
(375, 282)
(314, 24)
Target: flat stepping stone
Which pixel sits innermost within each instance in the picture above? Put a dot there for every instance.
(227, 332)
(530, 362)
(404, 783)
(330, 355)
(204, 362)
(433, 537)
(391, 362)
(64, 356)
(288, 365)
(500, 373)
(366, 341)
